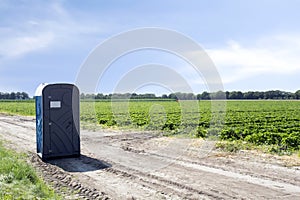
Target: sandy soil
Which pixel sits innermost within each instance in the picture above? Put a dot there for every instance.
(144, 165)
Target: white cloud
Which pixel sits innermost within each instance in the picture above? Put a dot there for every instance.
(276, 54)
(53, 26)
(17, 46)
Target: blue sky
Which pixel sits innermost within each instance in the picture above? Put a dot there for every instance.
(255, 45)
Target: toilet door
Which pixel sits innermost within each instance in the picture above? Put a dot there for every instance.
(62, 135)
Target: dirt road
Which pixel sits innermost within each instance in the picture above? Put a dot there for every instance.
(144, 165)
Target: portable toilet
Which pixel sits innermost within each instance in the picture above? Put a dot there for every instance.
(57, 120)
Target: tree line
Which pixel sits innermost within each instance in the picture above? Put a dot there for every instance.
(255, 95)
(14, 95)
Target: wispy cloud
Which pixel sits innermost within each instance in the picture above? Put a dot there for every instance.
(272, 55)
(51, 25)
(20, 45)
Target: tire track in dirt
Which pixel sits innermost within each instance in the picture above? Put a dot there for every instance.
(242, 173)
(59, 179)
(158, 183)
(283, 181)
(274, 185)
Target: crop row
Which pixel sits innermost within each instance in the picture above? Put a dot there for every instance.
(258, 122)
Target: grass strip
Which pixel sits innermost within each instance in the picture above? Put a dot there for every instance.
(18, 180)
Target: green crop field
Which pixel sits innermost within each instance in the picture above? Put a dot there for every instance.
(259, 122)
(18, 107)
